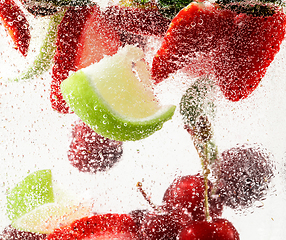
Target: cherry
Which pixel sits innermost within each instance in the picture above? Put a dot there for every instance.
(187, 192)
(162, 226)
(138, 217)
(219, 229)
(11, 233)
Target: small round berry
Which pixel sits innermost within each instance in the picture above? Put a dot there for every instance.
(163, 225)
(10, 233)
(91, 152)
(244, 176)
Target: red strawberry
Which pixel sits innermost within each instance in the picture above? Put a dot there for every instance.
(16, 24)
(198, 67)
(90, 152)
(196, 30)
(241, 41)
(137, 20)
(242, 61)
(84, 37)
(106, 226)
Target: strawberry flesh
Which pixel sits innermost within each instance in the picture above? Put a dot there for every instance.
(105, 226)
(84, 37)
(69, 32)
(241, 63)
(241, 46)
(195, 30)
(16, 24)
(98, 39)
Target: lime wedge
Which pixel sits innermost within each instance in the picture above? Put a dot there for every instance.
(37, 205)
(33, 191)
(114, 97)
(46, 218)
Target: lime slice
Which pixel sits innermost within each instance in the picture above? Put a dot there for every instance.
(114, 97)
(36, 205)
(33, 191)
(46, 218)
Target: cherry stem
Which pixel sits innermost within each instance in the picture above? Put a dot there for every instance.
(144, 194)
(203, 155)
(206, 172)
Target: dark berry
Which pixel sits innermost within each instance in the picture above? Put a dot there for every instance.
(10, 233)
(132, 39)
(40, 8)
(91, 152)
(164, 225)
(244, 175)
(138, 216)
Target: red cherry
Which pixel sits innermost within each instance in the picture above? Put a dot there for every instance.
(219, 229)
(166, 225)
(188, 192)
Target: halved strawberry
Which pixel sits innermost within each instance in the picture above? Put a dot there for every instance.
(241, 40)
(241, 63)
(105, 226)
(16, 24)
(84, 37)
(196, 30)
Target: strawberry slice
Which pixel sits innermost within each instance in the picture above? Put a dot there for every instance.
(241, 42)
(16, 24)
(84, 37)
(106, 226)
(242, 62)
(196, 30)
(138, 20)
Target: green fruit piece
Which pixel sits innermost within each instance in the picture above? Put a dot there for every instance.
(35, 190)
(115, 99)
(46, 218)
(44, 60)
(37, 205)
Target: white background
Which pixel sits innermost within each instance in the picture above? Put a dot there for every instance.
(33, 136)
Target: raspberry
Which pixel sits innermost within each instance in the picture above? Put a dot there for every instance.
(90, 152)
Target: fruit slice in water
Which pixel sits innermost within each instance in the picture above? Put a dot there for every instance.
(33, 191)
(48, 217)
(35, 205)
(114, 97)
